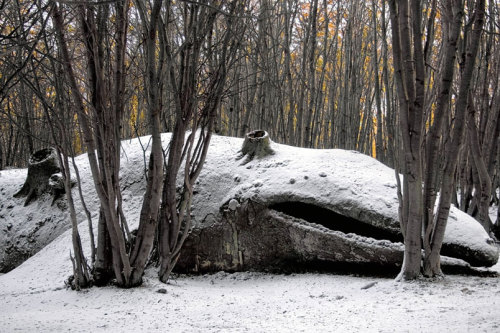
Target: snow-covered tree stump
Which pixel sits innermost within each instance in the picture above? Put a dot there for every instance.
(256, 144)
(41, 166)
(56, 185)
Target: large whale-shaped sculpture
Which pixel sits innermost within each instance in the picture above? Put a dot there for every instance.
(300, 207)
(281, 207)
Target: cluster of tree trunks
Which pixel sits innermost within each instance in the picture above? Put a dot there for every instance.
(196, 90)
(424, 175)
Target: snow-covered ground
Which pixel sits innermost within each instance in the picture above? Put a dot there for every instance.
(34, 297)
(257, 302)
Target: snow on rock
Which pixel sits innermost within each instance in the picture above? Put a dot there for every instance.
(26, 230)
(346, 182)
(464, 231)
(21, 227)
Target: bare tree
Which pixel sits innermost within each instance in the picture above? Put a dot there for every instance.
(151, 203)
(193, 112)
(194, 108)
(417, 209)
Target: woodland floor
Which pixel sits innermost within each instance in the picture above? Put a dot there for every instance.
(258, 302)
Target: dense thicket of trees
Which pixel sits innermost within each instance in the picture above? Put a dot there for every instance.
(412, 83)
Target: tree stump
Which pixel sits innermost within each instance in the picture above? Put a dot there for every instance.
(41, 166)
(256, 144)
(56, 185)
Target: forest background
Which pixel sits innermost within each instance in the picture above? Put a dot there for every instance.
(413, 84)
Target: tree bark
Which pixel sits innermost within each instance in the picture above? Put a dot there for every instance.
(379, 141)
(42, 165)
(175, 212)
(432, 265)
(411, 114)
(148, 219)
(453, 23)
(483, 192)
(256, 144)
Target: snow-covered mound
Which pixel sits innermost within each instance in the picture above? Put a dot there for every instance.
(24, 230)
(344, 182)
(308, 184)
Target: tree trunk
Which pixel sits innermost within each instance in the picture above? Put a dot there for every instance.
(311, 77)
(103, 271)
(148, 219)
(256, 144)
(408, 67)
(1, 157)
(483, 191)
(42, 165)
(433, 142)
(432, 265)
(379, 143)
